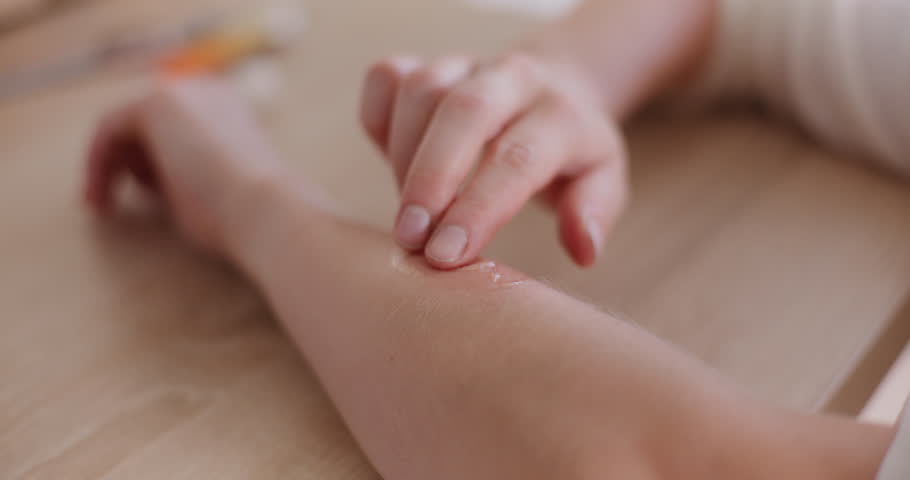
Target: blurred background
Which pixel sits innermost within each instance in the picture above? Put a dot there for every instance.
(126, 355)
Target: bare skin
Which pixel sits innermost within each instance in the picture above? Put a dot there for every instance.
(478, 373)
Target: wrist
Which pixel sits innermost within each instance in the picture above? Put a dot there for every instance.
(258, 213)
(706, 430)
(630, 52)
(749, 441)
(571, 75)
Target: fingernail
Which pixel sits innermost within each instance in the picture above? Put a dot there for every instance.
(595, 235)
(448, 244)
(413, 225)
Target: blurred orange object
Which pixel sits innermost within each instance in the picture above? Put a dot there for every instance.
(276, 28)
(214, 54)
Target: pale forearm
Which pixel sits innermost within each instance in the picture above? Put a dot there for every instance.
(630, 50)
(471, 374)
(781, 444)
(483, 374)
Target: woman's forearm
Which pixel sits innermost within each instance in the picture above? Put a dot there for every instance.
(479, 373)
(781, 444)
(484, 374)
(630, 50)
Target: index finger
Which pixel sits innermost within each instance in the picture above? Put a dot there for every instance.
(472, 115)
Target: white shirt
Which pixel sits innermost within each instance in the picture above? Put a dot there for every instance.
(841, 68)
(897, 464)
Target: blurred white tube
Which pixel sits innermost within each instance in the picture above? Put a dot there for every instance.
(541, 8)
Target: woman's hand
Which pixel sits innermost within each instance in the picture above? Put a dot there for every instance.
(526, 125)
(196, 144)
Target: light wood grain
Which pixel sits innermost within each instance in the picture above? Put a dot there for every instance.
(126, 355)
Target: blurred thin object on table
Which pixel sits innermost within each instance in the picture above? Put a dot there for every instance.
(15, 14)
(540, 8)
(273, 28)
(84, 61)
(210, 43)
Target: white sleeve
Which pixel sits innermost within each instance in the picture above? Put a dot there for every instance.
(840, 68)
(897, 464)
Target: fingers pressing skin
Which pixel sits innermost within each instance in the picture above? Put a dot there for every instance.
(380, 91)
(519, 163)
(472, 114)
(417, 101)
(528, 132)
(554, 142)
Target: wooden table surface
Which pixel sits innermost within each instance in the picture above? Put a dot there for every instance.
(126, 355)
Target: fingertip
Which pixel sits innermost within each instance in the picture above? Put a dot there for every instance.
(588, 209)
(380, 89)
(444, 266)
(581, 240)
(448, 247)
(583, 224)
(447, 266)
(594, 235)
(412, 227)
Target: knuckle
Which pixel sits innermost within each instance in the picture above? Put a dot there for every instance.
(516, 156)
(474, 101)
